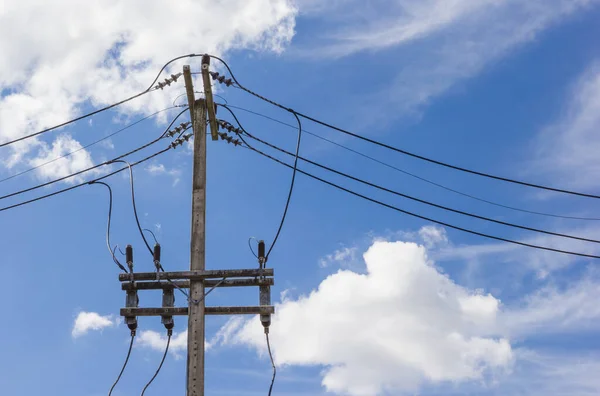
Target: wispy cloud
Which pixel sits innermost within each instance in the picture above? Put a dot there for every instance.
(160, 169)
(567, 150)
(438, 43)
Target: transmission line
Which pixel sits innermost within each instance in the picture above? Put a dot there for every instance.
(151, 88)
(396, 149)
(95, 166)
(422, 200)
(529, 245)
(86, 146)
(388, 165)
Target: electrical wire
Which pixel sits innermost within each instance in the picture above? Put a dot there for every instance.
(152, 233)
(272, 363)
(169, 334)
(401, 151)
(137, 219)
(508, 224)
(414, 175)
(529, 245)
(110, 204)
(250, 246)
(149, 89)
(130, 125)
(208, 292)
(124, 364)
(83, 183)
(289, 197)
(198, 92)
(95, 166)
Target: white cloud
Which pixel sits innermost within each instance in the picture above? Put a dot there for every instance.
(158, 341)
(433, 236)
(97, 52)
(62, 145)
(444, 42)
(551, 309)
(567, 150)
(160, 169)
(347, 255)
(91, 321)
(410, 324)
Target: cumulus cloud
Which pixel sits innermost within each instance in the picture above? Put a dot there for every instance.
(91, 321)
(76, 159)
(95, 53)
(158, 341)
(410, 324)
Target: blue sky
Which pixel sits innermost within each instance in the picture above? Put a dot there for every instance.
(369, 301)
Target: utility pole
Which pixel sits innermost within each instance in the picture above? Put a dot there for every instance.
(197, 278)
(195, 357)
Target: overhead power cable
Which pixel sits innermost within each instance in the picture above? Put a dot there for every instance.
(272, 363)
(390, 166)
(124, 364)
(401, 151)
(85, 182)
(289, 197)
(422, 200)
(108, 245)
(95, 166)
(137, 219)
(86, 146)
(152, 87)
(162, 361)
(397, 209)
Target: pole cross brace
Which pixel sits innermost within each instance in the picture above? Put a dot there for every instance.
(178, 311)
(197, 275)
(184, 284)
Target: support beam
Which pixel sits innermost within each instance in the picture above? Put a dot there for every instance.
(210, 103)
(180, 311)
(207, 283)
(197, 274)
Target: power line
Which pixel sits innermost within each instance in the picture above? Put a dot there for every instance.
(151, 233)
(422, 200)
(124, 364)
(529, 245)
(272, 363)
(108, 245)
(289, 197)
(388, 165)
(83, 183)
(149, 89)
(401, 151)
(86, 146)
(169, 334)
(95, 166)
(137, 219)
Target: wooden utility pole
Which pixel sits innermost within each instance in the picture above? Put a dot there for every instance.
(197, 277)
(195, 357)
